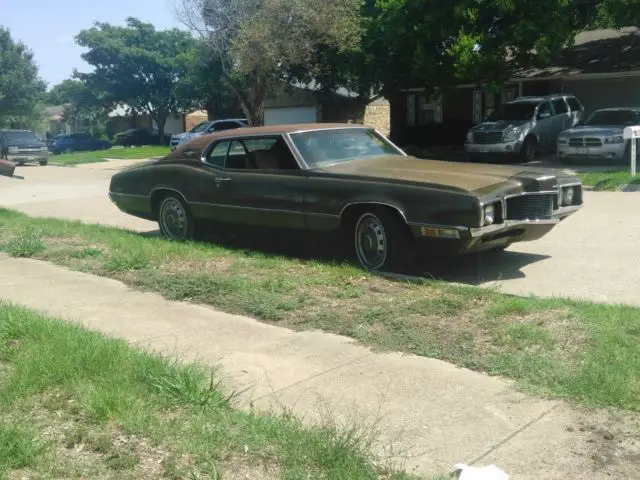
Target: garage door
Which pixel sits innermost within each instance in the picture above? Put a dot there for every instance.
(279, 116)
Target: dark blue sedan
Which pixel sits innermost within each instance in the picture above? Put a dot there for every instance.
(78, 142)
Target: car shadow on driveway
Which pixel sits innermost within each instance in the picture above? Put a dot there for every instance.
(474, 269)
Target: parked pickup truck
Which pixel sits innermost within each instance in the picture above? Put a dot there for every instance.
(23, 146)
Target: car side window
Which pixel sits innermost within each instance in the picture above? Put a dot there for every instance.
(270, 154)
(560, 106)
(237, 157)
(219, 126)
(218, 154)
(544, 108)
(574, 104)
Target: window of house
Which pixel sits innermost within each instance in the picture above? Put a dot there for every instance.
(423, 110)
(411, 110)
(509, 94)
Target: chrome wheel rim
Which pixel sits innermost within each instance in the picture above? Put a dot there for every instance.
(173, 219)
(371, 242)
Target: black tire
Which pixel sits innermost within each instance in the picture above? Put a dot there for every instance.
(43, 162)
(387, 230)
(175, 219)
(528, 150)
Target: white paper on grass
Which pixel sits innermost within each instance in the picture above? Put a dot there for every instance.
(490, 472)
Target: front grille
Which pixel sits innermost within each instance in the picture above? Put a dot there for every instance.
(531, 207)
(585, 142)
(487, 138)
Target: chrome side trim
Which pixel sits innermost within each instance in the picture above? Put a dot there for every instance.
(542, 192)
(364, 202)
(460, 228)
(155, 189)
(241, 207)
(132, 195)
(230, 138)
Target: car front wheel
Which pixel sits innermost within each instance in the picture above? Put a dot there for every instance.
(382, 241)
(174, 219)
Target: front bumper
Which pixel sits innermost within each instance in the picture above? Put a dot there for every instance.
(463, 240)
(506, 148)
(613, 151)
(29, 157)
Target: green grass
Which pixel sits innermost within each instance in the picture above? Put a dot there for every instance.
(582, 351)
(76, 404)
(609, 180)
(132, 153)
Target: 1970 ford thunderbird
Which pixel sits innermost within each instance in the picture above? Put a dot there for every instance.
(326, 177)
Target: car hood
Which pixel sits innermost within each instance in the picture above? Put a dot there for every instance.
(603, 131)
(469, 177)
(498, 125)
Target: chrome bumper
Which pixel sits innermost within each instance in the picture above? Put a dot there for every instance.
(612, 151)
(557, 217)
(506, 147)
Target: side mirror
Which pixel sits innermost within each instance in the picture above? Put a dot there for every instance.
(543, 115)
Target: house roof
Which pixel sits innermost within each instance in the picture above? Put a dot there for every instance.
(594, 52)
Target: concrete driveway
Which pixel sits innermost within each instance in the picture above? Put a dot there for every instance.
(591, 255)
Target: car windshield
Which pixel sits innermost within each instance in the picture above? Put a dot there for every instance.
(20, 138)
(201, 127)
(325, 147)
(613, 118)
(513, 111)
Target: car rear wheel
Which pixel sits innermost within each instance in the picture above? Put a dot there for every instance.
(382, 241)
(174, 219)
(43, 162)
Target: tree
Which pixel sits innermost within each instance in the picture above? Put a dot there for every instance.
(204, 84)
(83, 107)
(259, 44)
(138, 66)
(21, 89)
(441, 44)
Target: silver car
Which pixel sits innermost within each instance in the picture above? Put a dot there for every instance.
(600, 136)
(523, 127)
(204, 128)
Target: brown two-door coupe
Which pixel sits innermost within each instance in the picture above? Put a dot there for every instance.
(327, 177)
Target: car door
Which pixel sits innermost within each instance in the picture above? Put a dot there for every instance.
(562, 119)
(262, 184)
(544, 124)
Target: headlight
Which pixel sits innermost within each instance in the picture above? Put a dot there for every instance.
(489, 214)
(563, 140)
(568, 195)
(12, 149)
(512, 134)
(614, 139)
(470, 137)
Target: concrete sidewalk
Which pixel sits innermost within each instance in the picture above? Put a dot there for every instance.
(431, 413)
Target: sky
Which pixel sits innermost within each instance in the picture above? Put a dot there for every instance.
(48, 27)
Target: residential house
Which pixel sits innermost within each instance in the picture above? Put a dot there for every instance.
(601, 68)
(293, 104)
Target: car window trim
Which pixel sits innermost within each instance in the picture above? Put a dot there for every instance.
(230, 138)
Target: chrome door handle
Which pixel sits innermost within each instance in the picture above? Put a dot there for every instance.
(222, 179)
